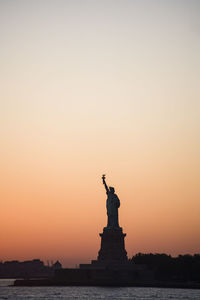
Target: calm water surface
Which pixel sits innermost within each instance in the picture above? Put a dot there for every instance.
(92, 293)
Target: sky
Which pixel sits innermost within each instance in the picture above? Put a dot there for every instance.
(90, 88)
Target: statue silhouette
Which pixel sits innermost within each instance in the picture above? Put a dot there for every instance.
(112, 205)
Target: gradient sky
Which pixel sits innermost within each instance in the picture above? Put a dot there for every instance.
(93, 87)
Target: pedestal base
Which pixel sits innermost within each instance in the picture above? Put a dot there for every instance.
(112, 245)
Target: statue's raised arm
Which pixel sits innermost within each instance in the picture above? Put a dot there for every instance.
(104, 182)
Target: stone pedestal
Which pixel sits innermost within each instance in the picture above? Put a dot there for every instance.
(112, 245)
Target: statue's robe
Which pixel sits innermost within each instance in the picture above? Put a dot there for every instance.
(112, 205)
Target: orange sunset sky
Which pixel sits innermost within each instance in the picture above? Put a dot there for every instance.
(93, 87)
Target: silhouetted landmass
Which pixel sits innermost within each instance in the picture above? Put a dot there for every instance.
(183, 268)
(27, 269)
(143, 270)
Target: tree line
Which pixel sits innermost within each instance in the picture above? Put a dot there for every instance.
(181, 268)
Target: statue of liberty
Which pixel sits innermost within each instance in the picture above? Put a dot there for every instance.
(112, 205)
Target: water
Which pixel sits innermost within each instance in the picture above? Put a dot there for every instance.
(93, 293)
